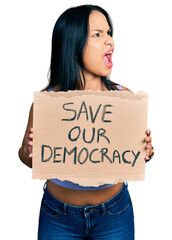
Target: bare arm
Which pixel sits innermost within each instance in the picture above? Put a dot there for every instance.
(25, 151)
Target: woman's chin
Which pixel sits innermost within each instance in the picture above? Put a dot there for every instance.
(106, 72)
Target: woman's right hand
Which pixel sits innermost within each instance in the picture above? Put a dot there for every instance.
(28, 143)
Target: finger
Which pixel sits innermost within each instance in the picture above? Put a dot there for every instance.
(149, 151)
(30, 155)
(30, 143)
(31, 135)
(31, 130)
(148, 139)
(147, 154)
(148, 132)
(148, 146)
(30, 151)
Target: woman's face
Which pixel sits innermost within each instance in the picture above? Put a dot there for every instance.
(96, 59)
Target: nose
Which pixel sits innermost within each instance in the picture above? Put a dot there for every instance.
(109, 41)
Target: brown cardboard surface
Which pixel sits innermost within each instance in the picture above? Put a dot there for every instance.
(89, 137)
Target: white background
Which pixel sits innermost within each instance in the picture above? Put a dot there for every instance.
(142, 62)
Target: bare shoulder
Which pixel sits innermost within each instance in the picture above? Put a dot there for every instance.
(117, 86)
(126, 89)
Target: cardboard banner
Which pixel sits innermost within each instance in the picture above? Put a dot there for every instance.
(89, 137)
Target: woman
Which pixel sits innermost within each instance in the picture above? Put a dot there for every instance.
(81, 58)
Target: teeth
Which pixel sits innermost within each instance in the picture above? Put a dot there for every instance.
(109, 52)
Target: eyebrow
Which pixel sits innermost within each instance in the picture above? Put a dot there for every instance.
(98, 30)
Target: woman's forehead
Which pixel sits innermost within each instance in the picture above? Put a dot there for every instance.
(97, 21)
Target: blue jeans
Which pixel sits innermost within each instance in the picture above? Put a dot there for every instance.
(110, 220)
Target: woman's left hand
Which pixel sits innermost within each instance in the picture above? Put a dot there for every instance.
(149, 148)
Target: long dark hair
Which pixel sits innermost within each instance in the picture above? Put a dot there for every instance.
(68, 41)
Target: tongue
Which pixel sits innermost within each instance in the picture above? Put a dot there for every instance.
(106, 58)
(109, 57)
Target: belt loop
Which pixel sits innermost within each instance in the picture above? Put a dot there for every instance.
(64, 208)
(103, 209)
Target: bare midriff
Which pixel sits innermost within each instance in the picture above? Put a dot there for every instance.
(82, 197)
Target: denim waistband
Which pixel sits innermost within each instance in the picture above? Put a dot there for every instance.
(64, 207)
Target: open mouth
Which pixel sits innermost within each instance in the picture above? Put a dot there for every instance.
(107, 58)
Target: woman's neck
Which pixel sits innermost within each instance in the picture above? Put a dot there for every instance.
(93, 82)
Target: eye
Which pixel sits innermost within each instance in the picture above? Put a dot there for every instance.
(109, 33)
(96, 35)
